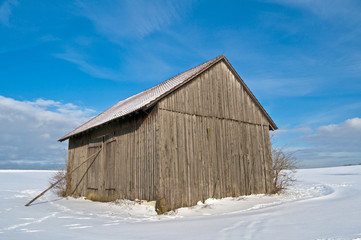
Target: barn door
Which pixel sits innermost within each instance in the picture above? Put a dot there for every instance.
(109, 164)
(94, 171)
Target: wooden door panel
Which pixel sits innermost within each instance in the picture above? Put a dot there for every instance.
(109, 166)
(94, 170)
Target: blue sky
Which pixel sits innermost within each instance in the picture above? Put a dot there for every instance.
(62, 62)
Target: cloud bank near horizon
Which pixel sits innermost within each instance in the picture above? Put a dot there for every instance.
(30, 130)
(328, 145)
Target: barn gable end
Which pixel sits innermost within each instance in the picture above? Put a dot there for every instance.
(198, 135)
(213, 139)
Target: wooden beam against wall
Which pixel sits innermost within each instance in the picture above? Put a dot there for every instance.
(66, 175)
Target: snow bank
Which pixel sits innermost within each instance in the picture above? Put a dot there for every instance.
(323, 204)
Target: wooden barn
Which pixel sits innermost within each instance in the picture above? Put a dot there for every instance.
(201, 134)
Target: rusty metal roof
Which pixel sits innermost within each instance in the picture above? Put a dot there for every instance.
(148, 97)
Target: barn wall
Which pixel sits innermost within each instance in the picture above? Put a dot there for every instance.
(214, 141)
(215, 93)
(125, 168)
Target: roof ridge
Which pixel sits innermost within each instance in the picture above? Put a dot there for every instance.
(146, 98)
(214, 59)
(148, 89)
(150, 96)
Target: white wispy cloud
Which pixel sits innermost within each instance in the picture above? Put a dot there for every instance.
(85, 65)
(49, 38)
(123, 26)
(122, 20)
(331, 112)
(340, 23)
(328, 10)
(282, 86)
(5, 11)
(293, 130)
(30, 130)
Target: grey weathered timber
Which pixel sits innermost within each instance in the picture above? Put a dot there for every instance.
(208, 138)
(124, 169)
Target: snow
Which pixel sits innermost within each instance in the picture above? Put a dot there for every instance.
(324, 203)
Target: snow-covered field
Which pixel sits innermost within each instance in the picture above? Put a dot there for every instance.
(325, 203)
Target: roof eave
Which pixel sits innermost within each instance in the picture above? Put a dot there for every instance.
(273, 126)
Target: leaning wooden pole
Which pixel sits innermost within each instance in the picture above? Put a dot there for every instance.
(66, 175)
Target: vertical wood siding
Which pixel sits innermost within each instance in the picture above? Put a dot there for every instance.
(125, 168)
(214, 141)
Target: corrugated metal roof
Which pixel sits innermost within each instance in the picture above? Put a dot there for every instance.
(147, 98)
